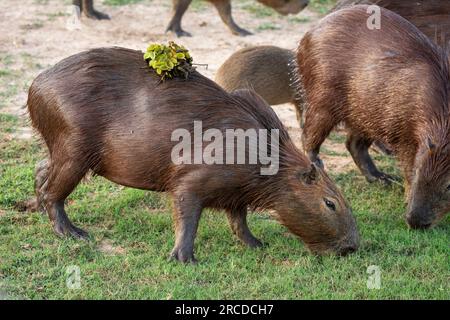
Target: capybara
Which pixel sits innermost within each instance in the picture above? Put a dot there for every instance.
(87, 8)
(107, 112)
(224, 9)
(268, 70)
(432, 17)
(389, 84)
(272, 73)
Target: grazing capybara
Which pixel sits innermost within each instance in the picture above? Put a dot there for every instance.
(224, 8)
(107, 112)
(432, 17)
(268, 70)
(87, 8)
(389, 84)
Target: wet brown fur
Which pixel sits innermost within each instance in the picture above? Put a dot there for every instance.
(390, 85)
(268, 70)
(432, 17)
(104, 110)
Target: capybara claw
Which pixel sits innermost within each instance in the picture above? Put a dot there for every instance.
(242, 32)
(179, 32)
(254, 243)
(71, 230)
(180, 256)
(96, 15)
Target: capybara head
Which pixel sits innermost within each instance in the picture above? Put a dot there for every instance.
(286, 7)
(429, 195)
(315, 210)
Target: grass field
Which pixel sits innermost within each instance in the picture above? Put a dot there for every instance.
(132, 235)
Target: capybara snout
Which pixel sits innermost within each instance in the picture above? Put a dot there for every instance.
(319, 214)
(429, 195)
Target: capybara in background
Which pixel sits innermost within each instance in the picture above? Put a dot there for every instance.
(106, 111)
(87, 8)
(224, 8)
(268, 70)
(432, 17)
(389, 84)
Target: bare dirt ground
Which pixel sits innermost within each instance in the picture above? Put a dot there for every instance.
(35, 34)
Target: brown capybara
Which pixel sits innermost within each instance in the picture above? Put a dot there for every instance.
(87, 8)
(224, 9)
(107, 112)
(268, 70)
(432, 17)
(389, 84)
(272, 73)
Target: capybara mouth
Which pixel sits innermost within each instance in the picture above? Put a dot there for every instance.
(418, 223)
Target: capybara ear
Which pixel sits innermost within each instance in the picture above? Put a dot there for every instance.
(309, 176)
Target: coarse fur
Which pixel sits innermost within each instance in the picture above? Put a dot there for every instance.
(389, 84)
(430, 16)
(270, 71)
(105, 110)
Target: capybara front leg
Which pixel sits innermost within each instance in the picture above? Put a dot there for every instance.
(186, 215)
(61, 223)
(224, 9)
(63, 177)
(179, 8)
(238, 223)
(359, 150)
(87, 8)
(316, 129)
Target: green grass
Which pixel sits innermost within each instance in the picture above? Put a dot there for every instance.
(321, 6)
(120, 2)
(33, 262)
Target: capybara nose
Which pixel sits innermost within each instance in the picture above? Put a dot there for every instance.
(416, 222)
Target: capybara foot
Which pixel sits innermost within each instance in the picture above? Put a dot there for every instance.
(97, 15)
(253, 243)
(178, 32)
(184, 256)
(30, 205)
(382, 177)
(241, 32)
(64, 229)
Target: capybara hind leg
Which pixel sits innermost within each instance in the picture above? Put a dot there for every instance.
(62, 179)
(179, 8)
(40, 182)
(359, 149)
(224, 9)
(87, 8)
(186, 215)
(238, 223)
(316, 129)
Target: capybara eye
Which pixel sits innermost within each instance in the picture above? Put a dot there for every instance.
(448, 187)
(330, 204)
